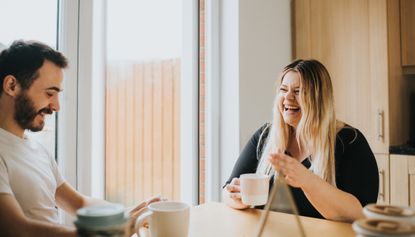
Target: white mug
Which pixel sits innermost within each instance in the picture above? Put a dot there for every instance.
(165, 219)
(254, 189)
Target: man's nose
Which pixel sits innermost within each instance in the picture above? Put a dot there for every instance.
(55, 106)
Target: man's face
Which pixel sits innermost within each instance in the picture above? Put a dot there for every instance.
(26, 113)
(40, 99)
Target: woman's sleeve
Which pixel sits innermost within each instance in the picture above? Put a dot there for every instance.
(247, 161)
(358, 171)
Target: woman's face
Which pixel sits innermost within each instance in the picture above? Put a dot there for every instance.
(289, 98)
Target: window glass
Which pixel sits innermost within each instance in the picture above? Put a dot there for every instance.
(144, 45)
(32, 20)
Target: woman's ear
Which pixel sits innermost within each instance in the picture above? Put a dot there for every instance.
(11, 86)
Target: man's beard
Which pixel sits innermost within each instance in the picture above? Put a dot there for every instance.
(25, 113)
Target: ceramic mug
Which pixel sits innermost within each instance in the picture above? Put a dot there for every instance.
(102, 220)
(382, 228)
(254, 189)
(389, 212)
(165, 219)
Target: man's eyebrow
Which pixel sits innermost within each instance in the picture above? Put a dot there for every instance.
(54, 88)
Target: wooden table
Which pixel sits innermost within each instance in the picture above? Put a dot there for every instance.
(217, 219)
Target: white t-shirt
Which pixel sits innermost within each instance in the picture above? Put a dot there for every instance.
(31, 175)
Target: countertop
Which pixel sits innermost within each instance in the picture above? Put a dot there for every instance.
(402, 149)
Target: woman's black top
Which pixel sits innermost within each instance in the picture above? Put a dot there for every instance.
(356, 169)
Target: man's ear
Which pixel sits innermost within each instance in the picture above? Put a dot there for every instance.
(10, 86)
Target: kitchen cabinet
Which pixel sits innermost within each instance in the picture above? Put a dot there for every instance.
(408, 32)
(383, 166)
(402, 180)
(359, 43)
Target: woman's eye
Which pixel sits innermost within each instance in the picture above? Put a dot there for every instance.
(283, 89)
(49, 94)
(297, 92)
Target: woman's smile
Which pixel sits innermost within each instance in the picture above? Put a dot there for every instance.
(289, 97)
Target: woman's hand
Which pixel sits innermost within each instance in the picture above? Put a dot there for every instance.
(295, 173)
(232, 194)
(137, 211)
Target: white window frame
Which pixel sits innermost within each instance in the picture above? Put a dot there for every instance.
(81, 143)
(212, 33)
(67, 126)
(189, 124)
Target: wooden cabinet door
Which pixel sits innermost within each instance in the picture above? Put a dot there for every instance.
(411, 180)
(402, 180)
(350, 39)
(408, 32)
(383, 167)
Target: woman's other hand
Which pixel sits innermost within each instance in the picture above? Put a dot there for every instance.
(295, 173)
(232, 194)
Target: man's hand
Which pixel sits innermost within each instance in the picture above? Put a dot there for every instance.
(137, 211)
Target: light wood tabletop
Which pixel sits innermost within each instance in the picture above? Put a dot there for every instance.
(217, 219)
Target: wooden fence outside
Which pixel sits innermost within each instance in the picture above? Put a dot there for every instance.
(142, 131)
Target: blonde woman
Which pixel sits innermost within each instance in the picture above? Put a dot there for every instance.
(328, 165)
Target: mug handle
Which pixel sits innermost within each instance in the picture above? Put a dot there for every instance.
(139, 223)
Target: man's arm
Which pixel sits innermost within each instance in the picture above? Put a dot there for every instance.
(71, 200)
(14, 223)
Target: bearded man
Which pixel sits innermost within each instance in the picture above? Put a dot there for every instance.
(31, 185)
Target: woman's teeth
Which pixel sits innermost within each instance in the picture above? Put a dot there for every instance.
(286, 108)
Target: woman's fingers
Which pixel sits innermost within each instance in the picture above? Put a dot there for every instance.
(283, 163)
(234, 189)
(235, 196)
(233, 186)
(235, 181)
(277, 161)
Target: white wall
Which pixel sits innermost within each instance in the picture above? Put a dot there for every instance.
(255, 44)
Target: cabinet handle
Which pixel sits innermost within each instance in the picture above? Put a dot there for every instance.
(380, 122)
(382, 185)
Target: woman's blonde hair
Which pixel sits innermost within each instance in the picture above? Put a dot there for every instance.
(316, 130)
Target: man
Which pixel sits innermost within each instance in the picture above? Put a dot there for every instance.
(31, 186)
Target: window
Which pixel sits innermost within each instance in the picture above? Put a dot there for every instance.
(17, 22)
(128, 127)
(143, 109)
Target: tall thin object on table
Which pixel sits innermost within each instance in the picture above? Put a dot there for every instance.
(264, 216)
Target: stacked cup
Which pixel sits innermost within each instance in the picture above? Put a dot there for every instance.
(107, 220)
(386, 221)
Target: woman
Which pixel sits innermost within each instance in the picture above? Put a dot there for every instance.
(328, 165)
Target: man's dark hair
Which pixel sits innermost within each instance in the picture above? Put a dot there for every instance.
(24, 58)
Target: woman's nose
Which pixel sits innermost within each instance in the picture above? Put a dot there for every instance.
(290, 94)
